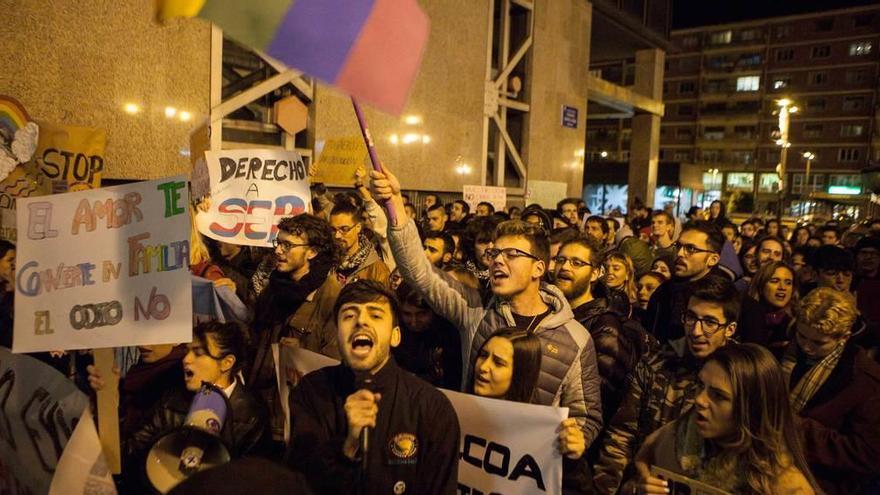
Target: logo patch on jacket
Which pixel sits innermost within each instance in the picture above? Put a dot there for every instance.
(552, 349)
(404, 445)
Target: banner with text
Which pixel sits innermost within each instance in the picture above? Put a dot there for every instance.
(104, 268)
(251, 190)
(474, 195)
(39, 412)
(71, 157)
(506, 447)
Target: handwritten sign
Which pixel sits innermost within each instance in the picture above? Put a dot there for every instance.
(71, 157)
(546, 193)
(339, 159)
(24, 181)
(506, 447)
(496, 196)
(251, 190)
(39, 409)
(104, 268)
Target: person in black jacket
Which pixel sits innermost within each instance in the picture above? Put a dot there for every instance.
(414, 432)
(216, 355)
(618, 348)
(697, 253)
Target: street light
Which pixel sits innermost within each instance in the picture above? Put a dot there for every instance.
(786, 108)
(809, 156)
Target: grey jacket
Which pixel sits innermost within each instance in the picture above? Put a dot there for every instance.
(569, 376)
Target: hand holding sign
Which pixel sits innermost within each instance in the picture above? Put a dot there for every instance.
(571, 439)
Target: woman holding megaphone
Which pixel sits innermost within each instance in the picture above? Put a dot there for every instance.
(507, 368)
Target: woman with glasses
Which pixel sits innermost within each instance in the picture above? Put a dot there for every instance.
(768, 308)
(739, 437)
(507, 367)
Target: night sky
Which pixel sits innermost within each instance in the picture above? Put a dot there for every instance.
(691, 13)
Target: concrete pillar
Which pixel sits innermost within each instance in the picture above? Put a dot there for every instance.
(645, 144)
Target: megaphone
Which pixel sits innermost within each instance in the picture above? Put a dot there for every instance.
(193, 447)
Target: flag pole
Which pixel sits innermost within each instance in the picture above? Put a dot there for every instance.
(374, 158)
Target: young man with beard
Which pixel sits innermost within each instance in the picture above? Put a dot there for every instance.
(437, 218)
(439, 248)
(697, 253)
(460, 212)
(414, 433)
(664, 386)
(517, 263)
(618, 348)
(361, 260)
(294, 305)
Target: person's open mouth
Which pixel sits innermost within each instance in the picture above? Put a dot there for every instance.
(361, 344)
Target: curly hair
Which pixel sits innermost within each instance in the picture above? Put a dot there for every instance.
(318, 233)
(830, 312)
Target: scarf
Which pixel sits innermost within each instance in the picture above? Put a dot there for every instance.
(283, 296)
(353, 263)
(812, 379)
(482, 275)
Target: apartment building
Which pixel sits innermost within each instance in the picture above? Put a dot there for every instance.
(722, 90)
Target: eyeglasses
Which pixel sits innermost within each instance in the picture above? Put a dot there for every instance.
(689, 249)
(575, 263)
(345, 229)
(508, 254)
(286, 245)
(708, 325)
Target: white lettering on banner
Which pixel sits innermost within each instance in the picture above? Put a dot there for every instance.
(251, 190)
(516, 455)
(104, 268)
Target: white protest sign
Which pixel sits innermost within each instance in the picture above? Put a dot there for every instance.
(546, 193)
(507, 447)
(104, 268)
(82, 467)
(291, 364)
(496, 196)
(251, 190)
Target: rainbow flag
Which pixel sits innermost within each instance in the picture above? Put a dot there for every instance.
(370, 49)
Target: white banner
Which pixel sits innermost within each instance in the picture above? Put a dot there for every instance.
(104, 268)
(506, 447)
(474, 195)
(251, 190)
(82, 467)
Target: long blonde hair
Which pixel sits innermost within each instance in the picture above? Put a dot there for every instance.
(629, 286)
(765, 444)
(198, 251)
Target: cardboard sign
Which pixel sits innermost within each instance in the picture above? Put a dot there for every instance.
(39, 409)
(251, 191)
(339, 159)
(506, 447)
(104, 268)
(25, 181)
(71, 157)
(82, 468)
(474, 195)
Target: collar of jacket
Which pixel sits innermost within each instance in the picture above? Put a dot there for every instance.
(383, 380)
(560, 311)
(592, 309)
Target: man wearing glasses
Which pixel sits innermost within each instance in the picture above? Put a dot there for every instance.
(578, 265)
(361, 260)
(697, 253)
(296, 291)
(517, 263)
(663, 387)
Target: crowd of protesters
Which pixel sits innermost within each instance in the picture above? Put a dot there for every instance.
(740, 355)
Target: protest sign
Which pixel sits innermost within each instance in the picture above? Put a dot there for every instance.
(24, 181)
(474, 195)
(71, 157)
(82, 467)
(39, 410)
(513, 455)
(546, 193)
(104, 268)
(339, 159)
(251, 190)
(507, 447)
(291, 364)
